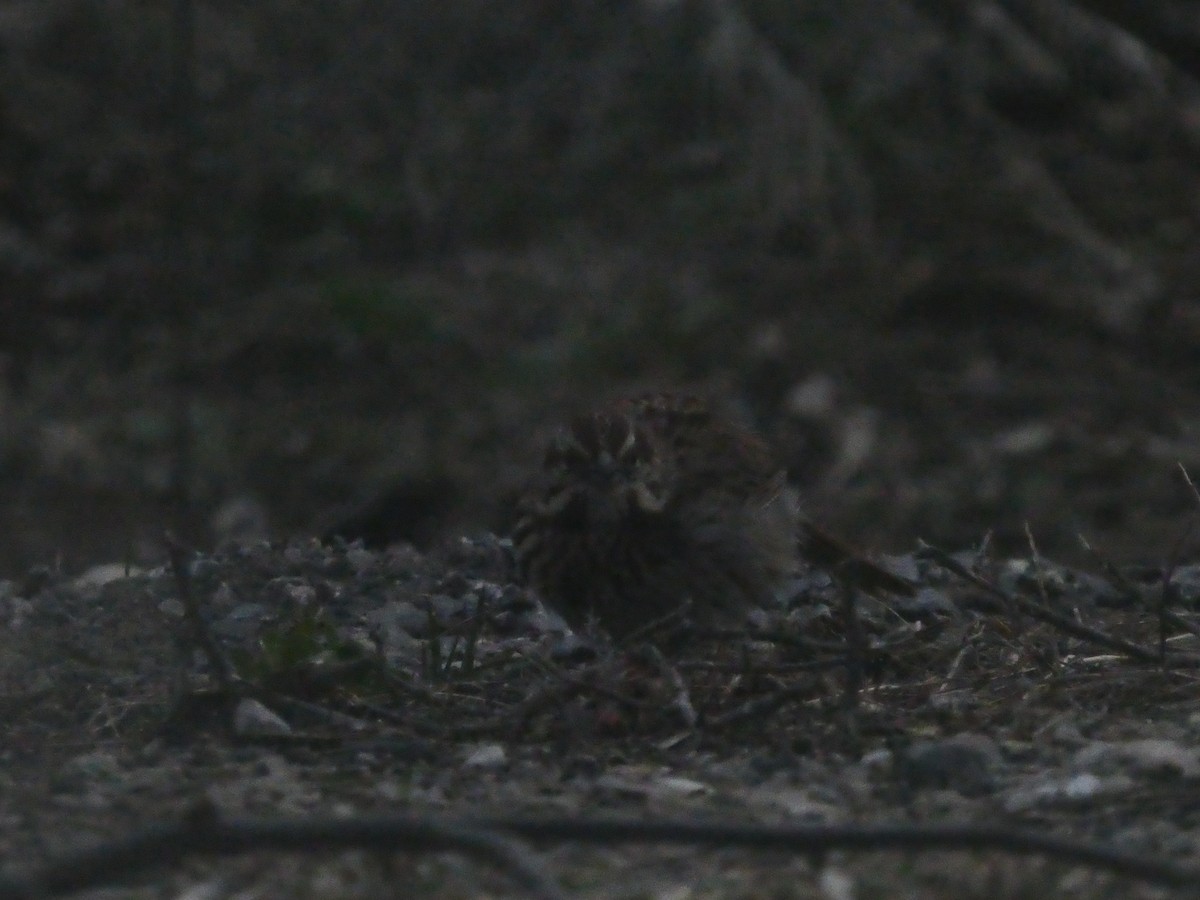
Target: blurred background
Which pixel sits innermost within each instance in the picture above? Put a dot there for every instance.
(340, 268)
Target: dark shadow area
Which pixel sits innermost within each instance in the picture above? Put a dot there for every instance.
(942, 254)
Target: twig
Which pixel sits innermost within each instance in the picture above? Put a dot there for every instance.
(810, 839)
(1115, 575)
(784, 638)
(221, 667)
(513, 720)
(1131, 591)
(758, 706)
(855, 647)
(1173, 559)
(1063, 623)
(741, 668)
(683, 698)
(1039, 577)
(848, 565)
(1164, 593)
(206, 833)
(955, 666)
(668, 623)
(1191, 484)
(1039, 574)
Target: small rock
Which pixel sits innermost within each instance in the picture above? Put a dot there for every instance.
(391, 791)
(213, 889)
(1075, 790)
(648, 782)
(248, 611)
(295, 555)
(926, 602)
(98, 576)
(546, 621)
(905, 565)
(1081, 787)
(877, 760)
(836, 884)
(956, 702)
(1068, 734)
(1186, 580)
(1024, 440)
(800, 805)
(17, 613)
(283, 591)
(482, 557)
(572, 649)
(242, 621)
(965, 763)
(361, 559)
(402, 560)
(395, 644)
(401, 615)
(675, 785)
(252, 719)
(1015, 750)
(487, 756)
(200, 568)
(224, 597)
(1144, 757)
(813, 398)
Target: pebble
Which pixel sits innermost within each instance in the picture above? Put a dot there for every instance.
(486, 756)
(253, 719)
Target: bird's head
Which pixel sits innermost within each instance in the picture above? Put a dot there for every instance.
(603, 469)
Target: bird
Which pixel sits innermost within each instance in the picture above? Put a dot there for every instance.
(656, 503)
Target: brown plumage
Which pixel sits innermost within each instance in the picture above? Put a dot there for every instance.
(654, 501)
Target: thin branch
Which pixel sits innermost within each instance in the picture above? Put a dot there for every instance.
(1063, 623)
(206, 833)
(1191, 484)
(809, 839)
(855, 646)
(221, 667)
(759, 706)
(1173, 560)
